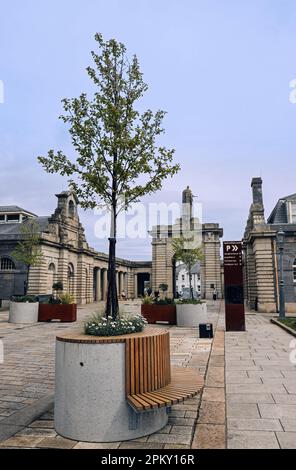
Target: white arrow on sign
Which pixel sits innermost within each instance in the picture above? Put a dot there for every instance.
(232, 248)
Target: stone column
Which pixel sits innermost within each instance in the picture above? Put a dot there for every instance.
(98, 285)
(136, 286)
(105, 284)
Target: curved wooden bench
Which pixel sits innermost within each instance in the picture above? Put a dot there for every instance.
(150, 381)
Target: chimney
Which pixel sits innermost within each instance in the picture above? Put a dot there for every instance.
(256, 186)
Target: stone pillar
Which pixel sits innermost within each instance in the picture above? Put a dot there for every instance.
(265, 271)
(136, 286)
(211, 265)
(98, 285)
(105, 284)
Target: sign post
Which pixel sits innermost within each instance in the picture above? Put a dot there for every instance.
(233, 286)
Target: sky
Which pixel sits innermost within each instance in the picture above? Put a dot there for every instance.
(220, 68)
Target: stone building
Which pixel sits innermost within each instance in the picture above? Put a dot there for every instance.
(68, 258)
(182, 278)
(261, 271)
(206, 235)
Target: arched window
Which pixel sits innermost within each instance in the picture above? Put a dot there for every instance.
(7, 264)
(71, 209)
(70, 278)
(50, 277)
(294, 270)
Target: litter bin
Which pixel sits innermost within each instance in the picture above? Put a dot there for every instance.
(206, 330)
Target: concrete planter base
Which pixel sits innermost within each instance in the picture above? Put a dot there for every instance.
(23, 312)
(191, 315)
(90, 400)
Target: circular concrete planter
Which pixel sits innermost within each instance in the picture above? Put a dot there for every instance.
(191, 315)
(23, 312)
(90, 397)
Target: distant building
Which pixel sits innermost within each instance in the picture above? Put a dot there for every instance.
(182, 278)
(67, 257)
(261, 270)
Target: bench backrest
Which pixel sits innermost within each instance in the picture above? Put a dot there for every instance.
(148, 365)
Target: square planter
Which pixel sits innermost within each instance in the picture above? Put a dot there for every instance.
(154, 313)
(63, 312)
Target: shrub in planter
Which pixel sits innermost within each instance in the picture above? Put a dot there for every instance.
(191, 312)
(23, 309)
(58, 308)
(159, 310)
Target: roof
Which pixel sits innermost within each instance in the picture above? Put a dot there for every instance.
(14, 210)
(15, 228)
(279, 214)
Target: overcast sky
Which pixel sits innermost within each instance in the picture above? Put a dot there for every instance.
(220, 68)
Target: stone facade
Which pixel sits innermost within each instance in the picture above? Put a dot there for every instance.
(261, 270)
(67, 257)
(205, 235)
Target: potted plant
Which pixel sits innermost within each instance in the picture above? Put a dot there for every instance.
(190, 312)
(117, 163)
(24, 309)
(156, 310)
(61, 308)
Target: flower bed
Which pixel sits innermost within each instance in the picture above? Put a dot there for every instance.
(99, 325)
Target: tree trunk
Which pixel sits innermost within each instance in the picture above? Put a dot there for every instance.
(190, 285)
(112, 298)
(26, 283)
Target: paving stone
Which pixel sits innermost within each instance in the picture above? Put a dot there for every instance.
(254, 424)
(140, 445)
(255, 388)
(97, 445)
(252, 440)
(248, 398)
(209, 436)
(42, 423)
(277, 411)
(239, 410)
(181, 421)
(284, 398)
(287, 440)
(244, 380)
(56, 443)
(177, 438)
(289, 424)
(176, 446)
(212, 413)
(214, 394)
(45, 432)
(22, 441)
(182, 429)
(215, 377)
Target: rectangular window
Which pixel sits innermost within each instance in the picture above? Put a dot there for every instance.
(13, 218)
(183, 277)
(293, 213)
(2, 218)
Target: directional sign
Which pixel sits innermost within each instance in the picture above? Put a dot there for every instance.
(233, 286)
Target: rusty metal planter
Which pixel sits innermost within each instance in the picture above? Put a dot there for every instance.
(163, 313)
(63, 312)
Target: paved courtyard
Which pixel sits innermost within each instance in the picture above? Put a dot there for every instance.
(27, 386)
(260, 387)
(249, 398)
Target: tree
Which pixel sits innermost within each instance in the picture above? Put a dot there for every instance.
(182, 248)
(117, 159)
(28, 250)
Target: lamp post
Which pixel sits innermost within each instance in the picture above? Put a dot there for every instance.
(280, 243)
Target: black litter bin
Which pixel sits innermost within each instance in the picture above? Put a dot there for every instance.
(206, 330)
